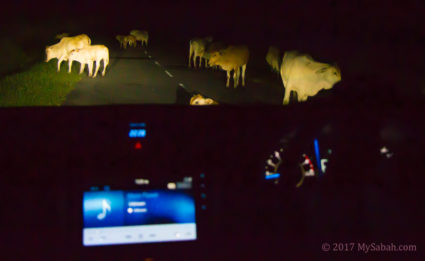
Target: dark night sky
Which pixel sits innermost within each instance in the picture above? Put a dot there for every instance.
(279, 16)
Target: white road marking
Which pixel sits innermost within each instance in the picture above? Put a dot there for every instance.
(157, 63)
(150, 57)
(182, 85)
(169, 74)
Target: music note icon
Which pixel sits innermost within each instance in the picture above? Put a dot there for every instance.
(105, 207)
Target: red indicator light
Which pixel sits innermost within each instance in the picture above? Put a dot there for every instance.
(138, 145)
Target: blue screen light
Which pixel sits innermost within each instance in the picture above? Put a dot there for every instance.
(137, 125)
(273, 176)
(137, 133)
(316, 150)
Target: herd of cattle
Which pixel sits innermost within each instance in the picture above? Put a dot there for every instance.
(78, 48)
(132, 39)
(300, 73)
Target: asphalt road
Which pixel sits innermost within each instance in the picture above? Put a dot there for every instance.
(159, 74)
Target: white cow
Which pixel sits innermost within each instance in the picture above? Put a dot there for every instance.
(212, 48)
(66, 45)
(233, 58)
(197, 47)
(88, 55)
(273, 58)
(198, 99)
(142, 36)
(120, 39)
(130, 41)
(300, 73)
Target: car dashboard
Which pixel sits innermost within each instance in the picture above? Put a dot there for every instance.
(242, 183)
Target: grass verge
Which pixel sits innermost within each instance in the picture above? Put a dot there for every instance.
(41, 85)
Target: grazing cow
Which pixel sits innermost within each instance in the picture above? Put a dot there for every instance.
(197, 49)
(273, 58)
(88, 55)
(233, 58)
(142, 36)
(130, 41)
(212, 48)
(62, 35)
(120, 39)
(300, 73)
(200, 100)
(66, 45)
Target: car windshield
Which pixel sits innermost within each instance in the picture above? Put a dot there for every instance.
(87, 53)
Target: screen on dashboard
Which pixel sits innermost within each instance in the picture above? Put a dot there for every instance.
(138, 216)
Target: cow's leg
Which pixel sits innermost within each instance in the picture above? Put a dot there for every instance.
(59, 63)
(69, 65)
(97, 68)
(243, 74)
(200, 61)
(82, 65)
(90, 65)
(287, 96)
(228, 79)
(236, 77)
(195, 60)
(105, 63)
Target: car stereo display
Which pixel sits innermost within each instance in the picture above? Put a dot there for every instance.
(138, 216)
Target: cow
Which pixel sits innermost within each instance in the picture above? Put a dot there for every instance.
(197, 47)
(88, 55)
(62, 35)
(142, 36)
(198, 99)
(211, 48)
(273, 58)
(302, 74)
(233, 58)
(66, 45)
(120, 39)
(130, 41)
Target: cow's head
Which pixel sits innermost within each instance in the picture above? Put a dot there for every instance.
(331, 74)
(214, 57)
(200, 100)
(49, 54)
